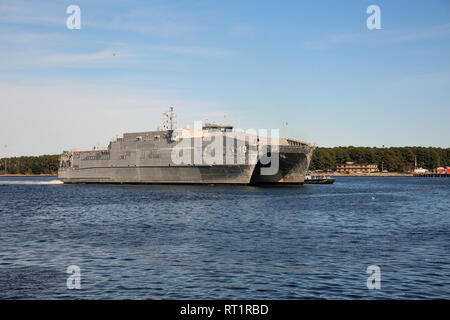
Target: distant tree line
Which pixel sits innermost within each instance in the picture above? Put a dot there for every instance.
(46, 164)
(394, 159)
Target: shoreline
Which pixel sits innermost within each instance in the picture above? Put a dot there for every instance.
(390, 174)
(28, 175)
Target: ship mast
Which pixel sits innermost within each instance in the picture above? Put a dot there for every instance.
(169, 119)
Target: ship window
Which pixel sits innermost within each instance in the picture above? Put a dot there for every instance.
(157, 138)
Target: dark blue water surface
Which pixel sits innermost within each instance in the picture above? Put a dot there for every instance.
(211, 242)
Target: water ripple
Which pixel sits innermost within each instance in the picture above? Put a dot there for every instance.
(175, 242)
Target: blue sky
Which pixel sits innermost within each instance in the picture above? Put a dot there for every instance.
(255, 64)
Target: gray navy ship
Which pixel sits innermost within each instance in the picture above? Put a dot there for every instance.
(209, 154)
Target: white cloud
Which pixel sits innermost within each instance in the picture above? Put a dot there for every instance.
(31, 57)
(94, 59)
(38, 59)
(162, 21)
(30, 13)
(193, 50)
(18, 37)
(384, 35)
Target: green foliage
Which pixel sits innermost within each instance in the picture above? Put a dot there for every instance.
(46, 164)
(395, 159)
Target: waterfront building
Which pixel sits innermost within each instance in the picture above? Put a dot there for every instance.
(351, 167)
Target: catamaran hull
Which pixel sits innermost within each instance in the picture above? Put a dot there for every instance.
(151, 157)
(226, 174)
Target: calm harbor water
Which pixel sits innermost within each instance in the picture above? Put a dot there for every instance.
(195, 242)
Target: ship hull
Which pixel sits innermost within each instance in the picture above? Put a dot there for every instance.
(292, 170)
(293, 165)
(226, 174)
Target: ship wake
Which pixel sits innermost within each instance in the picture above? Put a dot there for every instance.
(56, 181)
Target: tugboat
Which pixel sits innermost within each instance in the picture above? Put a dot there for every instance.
(309, 179)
